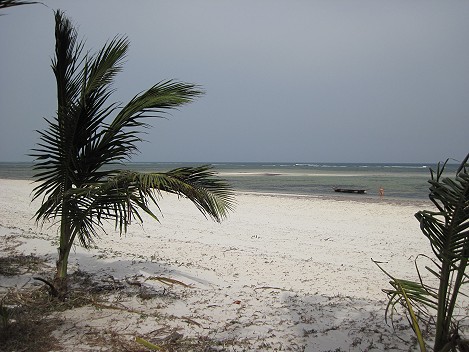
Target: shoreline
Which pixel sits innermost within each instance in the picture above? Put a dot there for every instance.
(366, 198)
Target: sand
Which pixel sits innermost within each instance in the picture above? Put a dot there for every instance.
(281, 273)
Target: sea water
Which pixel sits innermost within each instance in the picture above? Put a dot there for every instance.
(400, 181)
(403, 181)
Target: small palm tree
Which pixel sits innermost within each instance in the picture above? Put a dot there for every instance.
(447, 230)
(77, 156)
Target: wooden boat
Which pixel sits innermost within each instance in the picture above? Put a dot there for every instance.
(350, 190)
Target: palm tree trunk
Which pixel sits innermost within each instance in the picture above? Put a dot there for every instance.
(441, 333)
(64, 251)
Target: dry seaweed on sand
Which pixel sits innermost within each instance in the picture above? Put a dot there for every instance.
(32, 320)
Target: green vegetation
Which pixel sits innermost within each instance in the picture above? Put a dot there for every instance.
(447, 229)
(78, 156)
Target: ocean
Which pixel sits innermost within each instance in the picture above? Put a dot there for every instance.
(399, 181)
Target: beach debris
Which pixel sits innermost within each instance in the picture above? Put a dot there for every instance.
(191, 321)
(168, 281)
(270, 288)
(139, 280)
(172, 338)
(148, 344)
(52, 290)
(133, 282)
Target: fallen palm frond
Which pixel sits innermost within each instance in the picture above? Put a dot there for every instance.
(270, 288)
(148, 344)
(191, 321)
(168, 281)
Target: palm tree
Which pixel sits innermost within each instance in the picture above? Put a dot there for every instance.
(447, 229)
(78, 154)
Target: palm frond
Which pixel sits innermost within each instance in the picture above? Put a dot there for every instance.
(106, 65)
(119, 140)
(10, 3)
(417, 293)
(155, 101)
(211, 195)
(121, 197)
(448, 229)
(83, 86)
(67, 62)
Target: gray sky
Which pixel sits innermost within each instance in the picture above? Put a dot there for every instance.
(325, 81)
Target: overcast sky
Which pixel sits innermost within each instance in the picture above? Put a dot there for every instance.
(292, 81)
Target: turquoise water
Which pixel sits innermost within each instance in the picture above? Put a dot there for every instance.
(401, 181)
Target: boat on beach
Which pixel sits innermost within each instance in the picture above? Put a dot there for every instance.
(350, 190)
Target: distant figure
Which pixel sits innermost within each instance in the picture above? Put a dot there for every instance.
(381, 192)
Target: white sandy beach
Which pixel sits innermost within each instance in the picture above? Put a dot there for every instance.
(281, 273)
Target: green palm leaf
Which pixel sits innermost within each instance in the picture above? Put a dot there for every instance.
(447, 230)
(121, 197)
